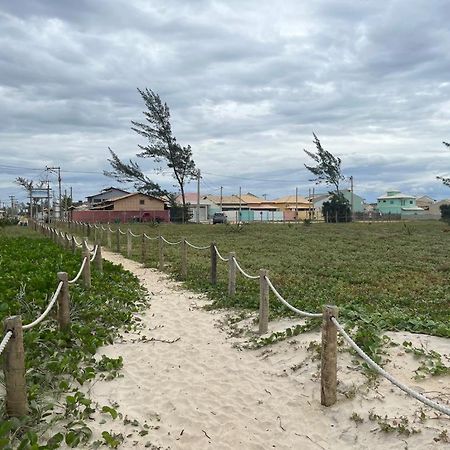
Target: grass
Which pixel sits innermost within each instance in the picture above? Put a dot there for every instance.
(392, 276)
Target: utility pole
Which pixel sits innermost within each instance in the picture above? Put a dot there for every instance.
(58, 169)
(312, 204)
(240, 203)
(221, 197)
(296, 203)
(12, 204)
(198, 195)
(351, 189)
(48, 202)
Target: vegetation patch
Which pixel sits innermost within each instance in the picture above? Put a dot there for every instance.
(57, 362)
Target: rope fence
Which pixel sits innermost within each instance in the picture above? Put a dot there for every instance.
(330, 324)
(12, 342)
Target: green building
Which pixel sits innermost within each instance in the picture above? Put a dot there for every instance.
(394, 202)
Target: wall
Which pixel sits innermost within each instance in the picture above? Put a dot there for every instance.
(132, 204)
(102, 216)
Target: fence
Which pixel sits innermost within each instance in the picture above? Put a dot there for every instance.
(12, 342)
(330, 324)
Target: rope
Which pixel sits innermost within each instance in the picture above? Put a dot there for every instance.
(96, 226)
(285, 303)
(95, 253)
(76, 242)
(151, 238)
(121, 232)
(109, 228)
(170, 243)
(49, 307)
(5, 340)
(80, 271)
(220, 256)
(86, 244)
(103, 228)
(252, 277)
(388, 376)
(134, 235)
(196, 247)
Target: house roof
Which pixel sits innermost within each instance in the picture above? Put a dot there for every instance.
(103, 191)
(425, 198)
(252, 198)
(227, 199)
(113, 200)
(291, 199)
(396, 195)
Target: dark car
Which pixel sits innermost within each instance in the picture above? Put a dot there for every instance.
(219, 217)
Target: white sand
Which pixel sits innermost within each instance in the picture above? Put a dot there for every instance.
(201, 392)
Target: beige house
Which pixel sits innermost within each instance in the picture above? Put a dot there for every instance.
(294, 203)
(132, 202)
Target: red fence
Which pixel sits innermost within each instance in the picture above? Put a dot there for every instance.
(97, 216)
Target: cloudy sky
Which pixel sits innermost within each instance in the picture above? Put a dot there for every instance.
(246, 82)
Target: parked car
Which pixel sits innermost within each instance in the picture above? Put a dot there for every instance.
(219, 217)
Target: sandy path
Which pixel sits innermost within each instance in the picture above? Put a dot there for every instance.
(199, 392)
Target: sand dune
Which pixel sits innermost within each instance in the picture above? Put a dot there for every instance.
(187, 385)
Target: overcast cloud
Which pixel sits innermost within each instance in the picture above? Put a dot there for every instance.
(246, 82)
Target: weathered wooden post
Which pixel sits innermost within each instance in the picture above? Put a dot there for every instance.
(213, 257)
(263, 302)
(95, 233)
(328, 377)
(161, 253)
(183, 259)
(88, 229)
(73, 244)
(86, 274)
(143, 248)
(14, 369)
(63, 302)
(129, 243)
(98, 260)
(231, 274)
(118, 240)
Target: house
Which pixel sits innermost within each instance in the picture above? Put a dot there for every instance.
(434, 209)
(130, 207)
(424, 202)
(207, 207)
(290, 204)
(394, 202)
(106, 194)
(318, 200)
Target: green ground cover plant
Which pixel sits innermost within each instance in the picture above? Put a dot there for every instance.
(382, 276)
(57, 362)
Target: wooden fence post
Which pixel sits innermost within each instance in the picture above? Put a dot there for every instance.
(88, 229)
(63, 302)
(213, 274)
(73, 244)
(183, 259)
(14, 369)
(98, 260)
(231, 274)
(118, 240)
(87, 269)
(161, 253)
(129, 243)
(263, 302)
(328, 378)
(95, 233)
(143, 248)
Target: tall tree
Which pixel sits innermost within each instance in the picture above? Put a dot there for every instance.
(161, 146)
(328, 167)
(445, 180)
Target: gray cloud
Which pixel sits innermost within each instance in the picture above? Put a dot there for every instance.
(247, 83)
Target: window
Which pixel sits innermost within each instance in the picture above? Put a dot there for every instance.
(141, 202)
(392, 202)
(410, 202)
(384, 201)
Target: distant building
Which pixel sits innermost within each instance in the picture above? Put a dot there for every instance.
(127, 208)
(207, 207)
(105, 194)
(424, 202)
(395, 202)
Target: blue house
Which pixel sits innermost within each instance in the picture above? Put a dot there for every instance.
(394, 202)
